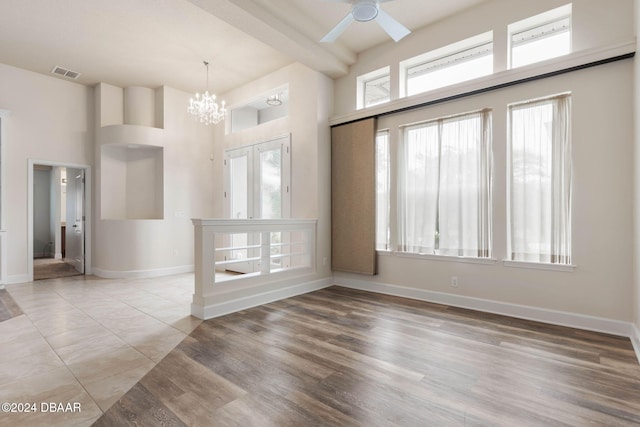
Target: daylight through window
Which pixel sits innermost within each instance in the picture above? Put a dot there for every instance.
(445, 180)
(540, 181)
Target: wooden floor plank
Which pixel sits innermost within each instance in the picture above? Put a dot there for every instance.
(342, 357)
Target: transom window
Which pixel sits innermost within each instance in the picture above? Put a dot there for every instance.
(374, 88)
(458, 62)
(541, 37)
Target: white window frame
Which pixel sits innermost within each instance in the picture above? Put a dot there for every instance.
(468, 49)
(537, 28)
(361, 86)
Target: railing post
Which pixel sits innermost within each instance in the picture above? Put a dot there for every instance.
(204, 266)
(265, 252)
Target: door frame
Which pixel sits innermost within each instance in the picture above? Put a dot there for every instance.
(87, 211)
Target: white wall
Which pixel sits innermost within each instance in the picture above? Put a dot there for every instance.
(603, 190)
(50, 120)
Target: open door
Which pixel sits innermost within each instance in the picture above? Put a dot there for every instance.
(74, 235)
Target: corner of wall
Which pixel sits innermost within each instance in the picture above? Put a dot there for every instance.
(635, 336)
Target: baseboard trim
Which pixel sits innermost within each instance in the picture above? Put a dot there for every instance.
(232, 306)
(560, 318)
(17, 278)
(141, 274)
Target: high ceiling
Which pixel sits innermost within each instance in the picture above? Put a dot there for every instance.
(152, 43)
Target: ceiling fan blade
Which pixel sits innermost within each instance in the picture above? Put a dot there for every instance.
(395, 29)
(338, 29)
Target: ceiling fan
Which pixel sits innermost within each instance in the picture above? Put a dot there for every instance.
(364, 11)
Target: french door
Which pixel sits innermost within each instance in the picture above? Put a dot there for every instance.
(257, 186)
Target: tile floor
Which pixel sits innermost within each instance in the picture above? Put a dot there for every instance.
(87, 340)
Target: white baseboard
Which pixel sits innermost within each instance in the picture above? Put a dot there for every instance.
(227, 307)
(17, 278)
(141, 274)
(573, 320)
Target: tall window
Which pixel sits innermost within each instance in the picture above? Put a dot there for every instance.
(462, 61)
(540, 181)
(382, 190)
(445, 196)
(541, 37)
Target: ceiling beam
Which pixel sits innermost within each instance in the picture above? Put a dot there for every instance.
(256, 21)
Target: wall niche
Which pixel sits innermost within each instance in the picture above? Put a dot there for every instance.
(131, 152)
(132, 182)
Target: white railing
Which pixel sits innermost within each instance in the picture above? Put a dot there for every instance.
(230, 253)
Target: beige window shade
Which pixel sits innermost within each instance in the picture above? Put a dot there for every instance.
(353, 210)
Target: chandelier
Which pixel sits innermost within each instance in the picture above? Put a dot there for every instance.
(205, 107)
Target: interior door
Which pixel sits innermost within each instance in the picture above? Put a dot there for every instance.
(74, 235)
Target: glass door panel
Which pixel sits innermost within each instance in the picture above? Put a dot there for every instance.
(238, 162)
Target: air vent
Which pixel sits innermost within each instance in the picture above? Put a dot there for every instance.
(65, 73)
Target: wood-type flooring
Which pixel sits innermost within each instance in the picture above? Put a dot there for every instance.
(343, 357)
(49, 268)
(8, 307)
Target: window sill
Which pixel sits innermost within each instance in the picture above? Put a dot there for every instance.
(539, 265)
(447, 258)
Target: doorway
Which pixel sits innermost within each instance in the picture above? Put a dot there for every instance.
(58, 220)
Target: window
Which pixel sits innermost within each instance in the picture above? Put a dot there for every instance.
(544, 36)
(462, 61)
(540, 181)
(374, 88)
(445, 195)
(383, 201)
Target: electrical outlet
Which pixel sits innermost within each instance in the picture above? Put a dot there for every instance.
(454, 281)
